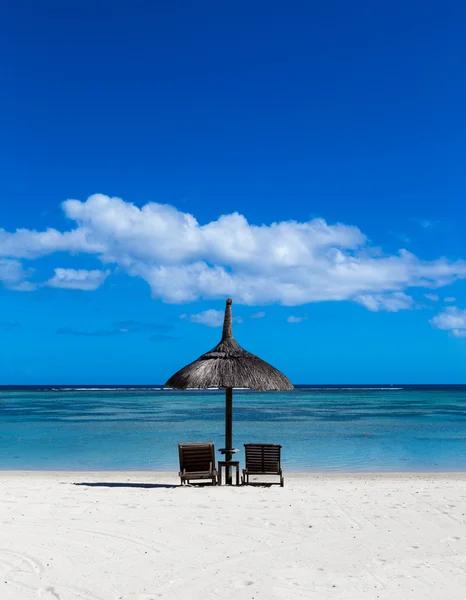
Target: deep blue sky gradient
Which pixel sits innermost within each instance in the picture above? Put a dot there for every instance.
(354, 112)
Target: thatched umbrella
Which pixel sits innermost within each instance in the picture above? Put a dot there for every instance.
(229, 366)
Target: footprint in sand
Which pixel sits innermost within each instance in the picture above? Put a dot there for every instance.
(33, 565)
(48, 592)
(56, 593)
(239, 584)
(452, 538)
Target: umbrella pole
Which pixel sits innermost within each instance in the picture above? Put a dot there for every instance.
(228, 430)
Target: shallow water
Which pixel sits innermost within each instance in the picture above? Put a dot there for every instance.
(320, 429)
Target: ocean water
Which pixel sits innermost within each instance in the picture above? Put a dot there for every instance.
(320, 429)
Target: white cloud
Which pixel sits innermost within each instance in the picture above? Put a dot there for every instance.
(450, 299)
(293, 319)
(14, 277)
(458, 333)
(432, 297)
(451, 319)
(81, 279)
(258, 315)
(210, 317)
(289, 263)
(26, 243)
(389, 302)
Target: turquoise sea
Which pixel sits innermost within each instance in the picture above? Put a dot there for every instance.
(412, 428)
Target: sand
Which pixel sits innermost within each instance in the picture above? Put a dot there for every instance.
(322, 536)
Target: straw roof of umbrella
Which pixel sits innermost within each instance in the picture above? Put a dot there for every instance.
(228, 365)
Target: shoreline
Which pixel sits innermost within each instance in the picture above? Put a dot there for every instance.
(290, 474)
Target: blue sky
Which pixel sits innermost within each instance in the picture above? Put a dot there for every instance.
(305, 158)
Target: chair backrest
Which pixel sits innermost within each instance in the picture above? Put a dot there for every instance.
(263, 458)
(196, 456)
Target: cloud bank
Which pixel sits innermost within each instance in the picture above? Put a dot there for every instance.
(80, 279)
(289, 263)
(210, 317)
(391, 302)
(453, 320)
(14, 277)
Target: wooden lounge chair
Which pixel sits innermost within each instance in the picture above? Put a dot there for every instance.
(197, 461)
(262, 459)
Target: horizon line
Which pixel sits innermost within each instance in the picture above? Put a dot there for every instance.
(162, 386)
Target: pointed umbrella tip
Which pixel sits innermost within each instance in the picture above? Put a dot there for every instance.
(227, 328)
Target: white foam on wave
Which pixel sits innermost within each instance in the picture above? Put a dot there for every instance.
(107, 389)
(355, 389)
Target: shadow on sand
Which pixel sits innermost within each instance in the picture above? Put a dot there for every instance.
(128, 484)
(263, 484)
(149, 486)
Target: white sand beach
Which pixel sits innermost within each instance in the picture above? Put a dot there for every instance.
(321, 536)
